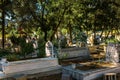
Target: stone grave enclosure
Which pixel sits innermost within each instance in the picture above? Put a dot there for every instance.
(74, 52)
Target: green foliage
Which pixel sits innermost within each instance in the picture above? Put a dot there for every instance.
(4, 52)
(12, 57)
(55, 42)
(112, 40)
(41, 48)
(79, 36)
(26, 48)
(14, 40)
(49, 15)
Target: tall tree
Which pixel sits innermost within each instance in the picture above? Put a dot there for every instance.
(3, 9)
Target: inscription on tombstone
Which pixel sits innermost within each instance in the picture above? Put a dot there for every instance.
(112, 52)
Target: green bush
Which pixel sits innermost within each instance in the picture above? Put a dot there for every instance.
(41, 48)
(26, 48)
(55, 42)
(9, 55)
(112, 40)
(4, 52)
(12, 57)
(14, 40)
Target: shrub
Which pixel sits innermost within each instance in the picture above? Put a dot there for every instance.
(14, 40)
(4, 52)
(9, 55)
(41, 48)
(12, 57)
(26, 48)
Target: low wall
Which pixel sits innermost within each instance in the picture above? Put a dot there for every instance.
(74, 52)
(89, 75)
(30, 66)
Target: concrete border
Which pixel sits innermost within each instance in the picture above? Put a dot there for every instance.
(29, 67)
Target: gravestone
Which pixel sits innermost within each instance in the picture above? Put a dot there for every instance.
(3, 64)
(112, 52)
(49, 49)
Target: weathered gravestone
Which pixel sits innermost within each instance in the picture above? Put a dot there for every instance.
(49, 49)
(3, 64)
(112, 52)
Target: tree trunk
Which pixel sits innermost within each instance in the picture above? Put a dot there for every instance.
(94, 37)
(70, 32)
(57, 25)
(107, 34)
(101, 33)
(3, 24)
(45, 37)
(52, 36)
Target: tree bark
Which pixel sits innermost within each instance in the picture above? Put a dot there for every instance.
(45, 35)
(3, 24)
(70, 32)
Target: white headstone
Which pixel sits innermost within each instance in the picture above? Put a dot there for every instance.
(3, 63)
(49, 49)
(112, 54)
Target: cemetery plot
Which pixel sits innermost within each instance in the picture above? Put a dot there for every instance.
(88, 66)
(89, 74)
